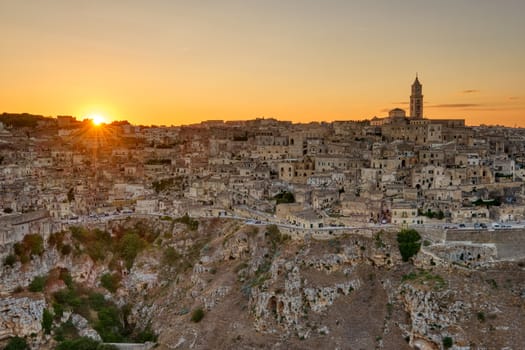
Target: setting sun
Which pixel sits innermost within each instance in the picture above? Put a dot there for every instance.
(97, 119)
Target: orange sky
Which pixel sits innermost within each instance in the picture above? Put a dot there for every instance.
(179, 62)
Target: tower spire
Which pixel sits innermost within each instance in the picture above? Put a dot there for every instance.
(416, 99)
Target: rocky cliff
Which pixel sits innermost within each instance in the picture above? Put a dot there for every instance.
(225, 285)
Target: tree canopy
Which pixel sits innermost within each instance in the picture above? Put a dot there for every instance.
(409, 241)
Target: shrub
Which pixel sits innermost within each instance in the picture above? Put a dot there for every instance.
(47, 321)
(58, 310)
(96, 250)
(97, 301)
(79, 233)
(32, 244)
(197, 315)
(252, 231)
(66, 277)
(56, 239)
(37, 284)
(409, 243)
(481, 316)
(447, 342)
(171, 256)
(35, 243)
(378, 240)
(10, 260)
(84, 343)
(493, 283)
(110, 281)
(68, 297)
(147, 335)
(425, 277)
(17, 343)
(66, 331)
(285, 197)
(275, 236)
(192, 224)
(66, 249)
(97, 243)
(109, 324)
(129, 247)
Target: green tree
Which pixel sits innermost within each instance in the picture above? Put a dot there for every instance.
(47, 321)
(35, 243)
(197, 315)
(32, 244)
(130, 245)
(285, 197)
(110, 325)
(110, 281)
(97, 301)
(10, 260)
(146, 335)
(17, 343)
(409, 242)
(447, 342)
(66, 277)
(171, 256)
(37, 284)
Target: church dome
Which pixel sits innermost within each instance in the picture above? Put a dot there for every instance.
(397, 113)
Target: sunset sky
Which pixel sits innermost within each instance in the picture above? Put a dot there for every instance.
(178, 62)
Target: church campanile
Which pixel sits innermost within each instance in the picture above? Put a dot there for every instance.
(416, 100)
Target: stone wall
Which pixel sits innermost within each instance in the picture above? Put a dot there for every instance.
(510, 244)
(465, 253)
(327, 233)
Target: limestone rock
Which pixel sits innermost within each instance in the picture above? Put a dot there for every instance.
(21, 316)
(84, 330)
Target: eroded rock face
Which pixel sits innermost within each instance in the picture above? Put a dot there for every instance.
(83, 328)
(82, 269)
(21, 316)
(258, 291)
(320, 298)
(286, 308)
(143, 276)
(432, 312)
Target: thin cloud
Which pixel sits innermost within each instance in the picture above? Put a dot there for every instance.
(455, 105)
(512, 98)
(400, 103)
(470, 91)
(495, 109)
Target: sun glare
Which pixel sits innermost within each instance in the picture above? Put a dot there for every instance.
(97, 119)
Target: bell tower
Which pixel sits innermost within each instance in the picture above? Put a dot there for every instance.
(416, 100)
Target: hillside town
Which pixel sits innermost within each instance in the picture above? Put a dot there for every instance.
(402, 169)
(397, 232)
